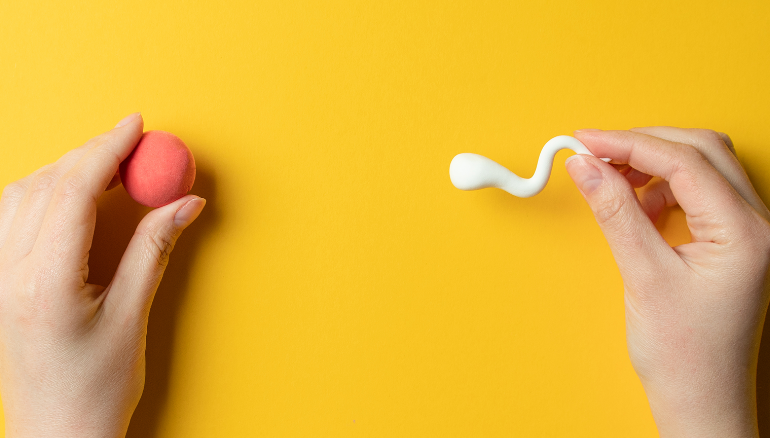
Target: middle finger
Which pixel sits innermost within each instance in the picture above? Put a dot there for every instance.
(718, 152)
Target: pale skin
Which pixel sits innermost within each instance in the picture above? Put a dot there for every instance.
(694, 313)
(72, 354)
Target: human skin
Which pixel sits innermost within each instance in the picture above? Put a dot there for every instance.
(72, 354)
(694, 312)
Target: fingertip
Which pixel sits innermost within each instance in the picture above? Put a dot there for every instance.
(586, 175)
(589, 136)
(585, 160)
(129, 120)
(577, 161)
(189, 211)
(571, 160)
(574, 164)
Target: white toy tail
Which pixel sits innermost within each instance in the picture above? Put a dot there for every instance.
(473, 172)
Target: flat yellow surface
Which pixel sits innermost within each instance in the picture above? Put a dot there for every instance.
(337, 284)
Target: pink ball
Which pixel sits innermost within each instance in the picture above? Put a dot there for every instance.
(160, 170)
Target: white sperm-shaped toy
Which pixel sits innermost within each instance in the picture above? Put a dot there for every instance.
(473, 172)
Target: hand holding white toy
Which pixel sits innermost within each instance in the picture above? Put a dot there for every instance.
(473, 172)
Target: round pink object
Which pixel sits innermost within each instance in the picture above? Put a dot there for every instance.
(160, 170)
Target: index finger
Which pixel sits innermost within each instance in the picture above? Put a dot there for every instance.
(701, 191)
(69, 222)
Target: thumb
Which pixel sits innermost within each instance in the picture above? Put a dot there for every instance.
(141, 268)
(637, 246)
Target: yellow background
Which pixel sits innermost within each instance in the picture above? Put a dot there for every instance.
(337, 285)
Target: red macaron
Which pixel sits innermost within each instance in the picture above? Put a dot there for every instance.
(160, 170)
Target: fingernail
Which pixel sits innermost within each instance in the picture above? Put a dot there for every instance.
(587, 130)
(587, 177)
(128, 119)
(189, 212)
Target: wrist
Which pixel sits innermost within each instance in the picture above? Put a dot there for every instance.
(63, 426)
(26, 418)
(60, 428)
(704, 409)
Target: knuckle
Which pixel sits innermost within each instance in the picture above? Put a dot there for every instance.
(611, 208)
(158, 246)
(43, 182)
(70, 186)
(688, 153)
(14, 191)
(712, 140)
(709, 134)
(686, 158)
(112, 157)
(94, 142)
(32, 300)
(104, 150)
(725, 138)
(69, 159)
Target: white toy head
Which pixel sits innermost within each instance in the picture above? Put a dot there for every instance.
(473, 172)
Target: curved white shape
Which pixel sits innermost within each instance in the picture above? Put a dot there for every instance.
(473, 172)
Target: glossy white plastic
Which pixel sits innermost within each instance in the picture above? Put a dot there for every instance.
(473, 172)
